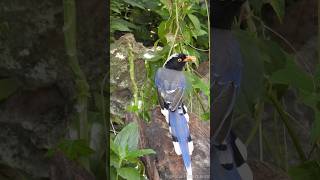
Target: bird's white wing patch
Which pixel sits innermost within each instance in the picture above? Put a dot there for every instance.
(242, 148)
(190, 146)
(165, 113)
(186, 116)
(171, 91)
(177, 148)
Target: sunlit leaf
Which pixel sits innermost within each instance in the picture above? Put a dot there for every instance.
(195, 21)
(139, 153)
(128, 137)
(129, 173)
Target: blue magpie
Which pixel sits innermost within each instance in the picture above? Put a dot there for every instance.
(228, 153)
(171, 84)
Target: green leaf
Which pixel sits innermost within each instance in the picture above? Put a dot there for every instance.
(205, 116)
(74, 149)
(129, 173)
(113, 146)
(195, 21)
(8, 87)
(163, 30)
(279, 7)
(114, 160)
(139, 153)
(252, 72)
(121, 25)
(274, 56)
(128, 137)
(118, 26)
(134, 3)
(198, 83)
(292, 75)
(309, 170)
(256, 5)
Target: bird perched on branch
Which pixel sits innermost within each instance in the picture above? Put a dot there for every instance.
(171, 84)
(228, 153)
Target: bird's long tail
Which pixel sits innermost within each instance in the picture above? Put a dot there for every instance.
(182, 142)
(229, 160)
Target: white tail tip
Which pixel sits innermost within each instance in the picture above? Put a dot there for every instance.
(189, 173)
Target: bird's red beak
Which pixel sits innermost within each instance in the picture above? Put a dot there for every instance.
(190, 59)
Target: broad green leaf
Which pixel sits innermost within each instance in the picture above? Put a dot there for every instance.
(114, 160)
(292, 75)
(129, 173)
(118, 26)
(139, 153)
(113, 146)
(8, 87)
(75, 149)
(279, 7)
(201, 32)
(128, 137)
(134, 3)
(198, 83)
(195, 21)
(163, 30)
(252, 72)
(274, 56)
(309, 170)
(113, 172)
(121, 25)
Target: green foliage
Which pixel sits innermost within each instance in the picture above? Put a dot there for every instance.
(73, 149)
(180, 26)
(309, 170)
(269, 72)
(125, 154)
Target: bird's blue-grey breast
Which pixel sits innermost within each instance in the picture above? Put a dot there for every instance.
(171, 85)
(229, 154)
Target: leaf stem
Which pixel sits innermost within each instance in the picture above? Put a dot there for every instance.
(285, 118)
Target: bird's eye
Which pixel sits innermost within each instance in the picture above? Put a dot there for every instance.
(179, 60)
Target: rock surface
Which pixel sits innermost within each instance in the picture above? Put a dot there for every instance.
(36, 116)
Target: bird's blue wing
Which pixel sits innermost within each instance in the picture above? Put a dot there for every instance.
(171, 86)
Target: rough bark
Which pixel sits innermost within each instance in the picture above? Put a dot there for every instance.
(166, 164)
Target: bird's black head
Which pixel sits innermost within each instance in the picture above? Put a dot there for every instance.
(177, 61)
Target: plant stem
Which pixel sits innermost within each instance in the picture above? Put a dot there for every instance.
(251, 25)
(285, 118)
(258, 117)
(177, 30)
(80, 79)
(132, 75)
